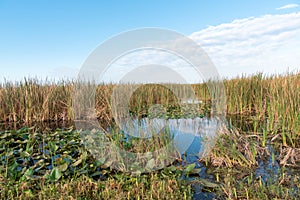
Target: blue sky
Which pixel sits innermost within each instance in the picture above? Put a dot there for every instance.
(53, 38)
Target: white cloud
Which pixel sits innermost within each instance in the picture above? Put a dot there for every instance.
(288, 6)
(269, 43)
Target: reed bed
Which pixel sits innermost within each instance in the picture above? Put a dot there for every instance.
(31, 100)
(273, 100)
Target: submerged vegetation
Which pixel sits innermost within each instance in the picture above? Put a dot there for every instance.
(256, 157)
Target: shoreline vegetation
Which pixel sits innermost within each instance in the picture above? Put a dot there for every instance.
(256, 157)
(275, 98)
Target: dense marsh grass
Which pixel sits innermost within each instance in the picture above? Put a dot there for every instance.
(272, 99)
(31, 100)
(153, 186)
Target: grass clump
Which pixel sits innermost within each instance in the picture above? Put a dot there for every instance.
(152, 186)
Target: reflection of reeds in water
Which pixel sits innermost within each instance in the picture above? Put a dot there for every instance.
(182, 131)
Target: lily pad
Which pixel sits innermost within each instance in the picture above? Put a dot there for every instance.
(189, 168)
(55, 174)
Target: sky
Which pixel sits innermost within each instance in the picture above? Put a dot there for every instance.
(53, 38)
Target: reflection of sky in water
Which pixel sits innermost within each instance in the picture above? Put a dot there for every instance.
(195, 135)
(268, 170)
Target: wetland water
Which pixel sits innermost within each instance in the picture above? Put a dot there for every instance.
(185, 131)
(193, 138)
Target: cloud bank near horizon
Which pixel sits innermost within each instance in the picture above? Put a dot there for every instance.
(268, 44)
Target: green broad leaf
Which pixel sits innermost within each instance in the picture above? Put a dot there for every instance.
(53, 147)
(189, 168)
(55, 174)
(172, 168)
(29, 171)
(27, 174)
